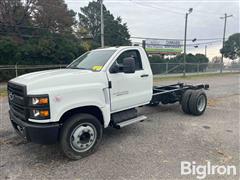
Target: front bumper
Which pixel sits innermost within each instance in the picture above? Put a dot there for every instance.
(37, 133)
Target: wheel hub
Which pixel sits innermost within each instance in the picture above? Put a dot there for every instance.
(83, 137)
(201, 103)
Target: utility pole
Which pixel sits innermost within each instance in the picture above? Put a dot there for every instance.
(206, 50)
(224, 32)
(185, 39)
(102, 25)
(144, 44)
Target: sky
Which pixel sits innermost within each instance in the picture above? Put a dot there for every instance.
(165, 19)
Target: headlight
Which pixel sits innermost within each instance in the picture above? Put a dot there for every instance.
(39, 101)
(39, 107)
(39, 114)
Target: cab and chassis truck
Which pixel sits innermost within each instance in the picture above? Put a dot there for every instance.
(101, 88)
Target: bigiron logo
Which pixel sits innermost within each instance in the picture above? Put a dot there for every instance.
(202, 171)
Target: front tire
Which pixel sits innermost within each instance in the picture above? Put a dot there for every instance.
(80, 136)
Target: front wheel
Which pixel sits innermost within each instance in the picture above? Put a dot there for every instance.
(80, 136)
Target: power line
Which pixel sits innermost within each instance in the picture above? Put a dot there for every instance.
(204, 43)
(21, 35)
(134, 37)
(23, 26)
(170, 9)
(29, 27)
(197, 11)
(152, 38)
(38, 36)
(197, 44)
(152, 1)
(31, 36)
(153, 7)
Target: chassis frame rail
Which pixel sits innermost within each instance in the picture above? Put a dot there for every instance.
(172, 93)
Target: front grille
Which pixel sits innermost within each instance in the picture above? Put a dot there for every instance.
(17, 100)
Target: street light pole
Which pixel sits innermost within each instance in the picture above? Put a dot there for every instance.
(185, 39)
(102, 25)
(224, 32)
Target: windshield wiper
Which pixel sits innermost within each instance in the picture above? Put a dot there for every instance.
(79, 68)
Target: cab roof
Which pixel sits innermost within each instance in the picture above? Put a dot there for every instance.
(118, 47)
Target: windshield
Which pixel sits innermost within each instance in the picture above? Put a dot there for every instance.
(92, 60)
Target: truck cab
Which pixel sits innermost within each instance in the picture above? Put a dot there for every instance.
(98, 83)
(99, 89)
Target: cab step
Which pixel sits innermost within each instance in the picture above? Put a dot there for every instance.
(130, 121)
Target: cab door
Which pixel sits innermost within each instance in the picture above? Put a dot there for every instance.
(130, 89)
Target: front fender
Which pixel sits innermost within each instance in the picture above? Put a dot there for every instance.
(65, 98)
(80, 97)
(105, 111)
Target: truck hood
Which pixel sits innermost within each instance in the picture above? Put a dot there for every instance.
(45, 80)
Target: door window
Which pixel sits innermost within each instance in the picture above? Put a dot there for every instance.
(131, 53)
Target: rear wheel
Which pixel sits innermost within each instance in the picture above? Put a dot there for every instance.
(185, 101)
(80, 136)
(198, 102)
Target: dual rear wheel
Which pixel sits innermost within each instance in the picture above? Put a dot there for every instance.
(194, 102)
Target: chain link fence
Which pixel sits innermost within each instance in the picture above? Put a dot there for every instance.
(191, 68)
(10, 71)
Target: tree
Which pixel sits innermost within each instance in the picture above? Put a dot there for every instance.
(203, 62)
(37, 32)
(51, 50)
(8, 51)
(216, 59)
(116, 32)
(201, 58)
(15, 12)
(54, 15)
(231, 47)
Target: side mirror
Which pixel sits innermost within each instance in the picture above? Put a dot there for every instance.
(129, 65)
(114, 69)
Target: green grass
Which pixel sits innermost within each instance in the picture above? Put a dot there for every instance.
(194, 76)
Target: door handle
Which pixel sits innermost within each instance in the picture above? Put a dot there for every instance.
(144, 75)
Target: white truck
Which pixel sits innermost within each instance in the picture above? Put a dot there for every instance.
(101, 88)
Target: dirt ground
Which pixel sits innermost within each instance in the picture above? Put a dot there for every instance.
(152, 149)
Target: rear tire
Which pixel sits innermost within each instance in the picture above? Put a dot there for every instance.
(185, 101)
(198, 102)
(80, 136)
